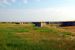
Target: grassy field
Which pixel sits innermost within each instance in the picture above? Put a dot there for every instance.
(29, 37)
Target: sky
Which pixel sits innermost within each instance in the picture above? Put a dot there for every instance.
(37, 10)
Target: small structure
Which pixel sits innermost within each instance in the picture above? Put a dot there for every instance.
(39, 24)
(62, 24)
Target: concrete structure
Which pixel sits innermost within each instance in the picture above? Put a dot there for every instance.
(67, 23)
(39, 24)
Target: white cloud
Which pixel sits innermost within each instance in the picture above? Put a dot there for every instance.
(45, 14)
(1, 5)
(1, 1)
(13, 1)
(6, 2)
(25, 1)
(38, 0)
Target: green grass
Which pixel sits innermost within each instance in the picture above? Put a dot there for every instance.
(28, 37)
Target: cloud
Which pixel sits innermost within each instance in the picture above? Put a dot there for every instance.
(43, 14)
(25, 1)
(1, 1)
(9, 2)
(2, 5)
(6, 2)
(13, 1)
(38, 0)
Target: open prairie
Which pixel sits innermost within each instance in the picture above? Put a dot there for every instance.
(29, 37)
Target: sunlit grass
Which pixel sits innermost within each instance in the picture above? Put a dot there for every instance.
(28, 37)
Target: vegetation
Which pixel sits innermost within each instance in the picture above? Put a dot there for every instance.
(28, 37)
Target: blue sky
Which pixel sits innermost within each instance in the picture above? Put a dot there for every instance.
(37, 10)
(32, 3)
